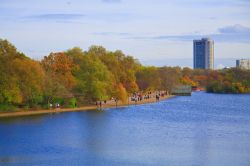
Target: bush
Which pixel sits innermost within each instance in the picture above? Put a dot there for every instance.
(7, 107)
(59, 101)
(72, 103)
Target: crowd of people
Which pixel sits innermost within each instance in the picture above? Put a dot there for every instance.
(135, 97)
(139, 96)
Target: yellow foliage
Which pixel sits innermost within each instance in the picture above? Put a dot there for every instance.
(122, 93)
(187, 81)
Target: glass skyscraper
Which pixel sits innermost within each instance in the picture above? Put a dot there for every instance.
(204, 54)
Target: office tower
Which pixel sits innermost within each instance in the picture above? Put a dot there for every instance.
(203, 54)
(243, 64)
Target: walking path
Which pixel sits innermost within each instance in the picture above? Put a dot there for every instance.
(110, 104)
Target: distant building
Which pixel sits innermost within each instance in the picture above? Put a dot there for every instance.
(243, 64)
(203, 54)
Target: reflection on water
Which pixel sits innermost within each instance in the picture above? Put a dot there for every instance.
(204, 129)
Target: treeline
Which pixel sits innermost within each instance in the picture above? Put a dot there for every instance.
(232, 80)
(229, 81)
(76, 77)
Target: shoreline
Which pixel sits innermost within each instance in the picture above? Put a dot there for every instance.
(83, 108)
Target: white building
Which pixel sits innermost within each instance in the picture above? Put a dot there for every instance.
(243, 64)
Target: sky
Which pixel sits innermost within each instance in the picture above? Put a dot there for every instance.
(157, 32)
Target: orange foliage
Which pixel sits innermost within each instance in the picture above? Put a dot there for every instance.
(60, 66)
(187, 81)
(122, 93)
(201, 80)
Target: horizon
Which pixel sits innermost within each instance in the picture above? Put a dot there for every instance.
(166, 32)
(219, 63)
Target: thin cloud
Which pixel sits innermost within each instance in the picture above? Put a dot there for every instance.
(215, 3)
(212, 18)
(235, 29)
(55, 17)
(235, 33)
(111, 34)
(112, 1)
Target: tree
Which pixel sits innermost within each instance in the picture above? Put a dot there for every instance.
(229, 81)
(122, 67)
(121, 93)
(170, 77)
(186, 71)
(9, 91)
(148, 78)
(187, 81)
(30, 79)
(94, 81)
(59, 78)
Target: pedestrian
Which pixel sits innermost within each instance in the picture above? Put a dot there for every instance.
(157, 97)
(116, 102)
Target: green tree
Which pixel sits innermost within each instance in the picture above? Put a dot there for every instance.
(94, 81)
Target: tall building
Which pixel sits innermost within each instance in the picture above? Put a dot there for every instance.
(204, 54)
(243, 64)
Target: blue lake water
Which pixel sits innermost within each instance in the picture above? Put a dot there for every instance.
(204, 129)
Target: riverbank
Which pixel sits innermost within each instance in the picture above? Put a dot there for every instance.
(110, 104)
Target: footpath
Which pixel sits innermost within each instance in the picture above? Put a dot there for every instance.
(109, 104)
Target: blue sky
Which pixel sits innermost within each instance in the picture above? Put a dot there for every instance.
(157, 32)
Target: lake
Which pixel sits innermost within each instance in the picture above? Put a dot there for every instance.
(198, 130)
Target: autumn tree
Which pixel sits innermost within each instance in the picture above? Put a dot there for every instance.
(30, 79)
(9, 91)
(59, 78)
(122, 67)
(170, 77)
(148, 78)
(21, 77)
(185, 80)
